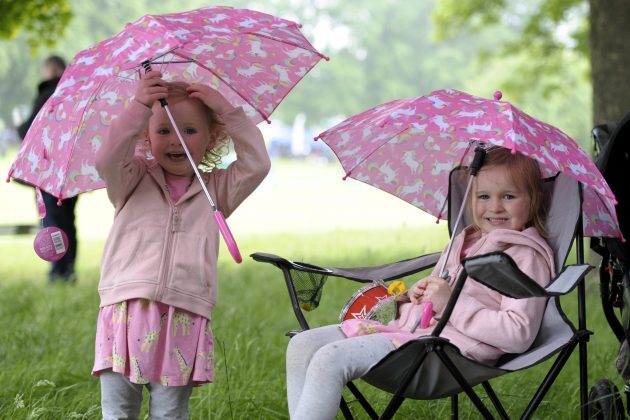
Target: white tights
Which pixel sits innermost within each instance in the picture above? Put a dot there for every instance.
(319, 364)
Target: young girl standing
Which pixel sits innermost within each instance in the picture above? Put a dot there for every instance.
(508, 215)
(159, 270)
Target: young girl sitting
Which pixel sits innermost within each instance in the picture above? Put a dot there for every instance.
(507, 206)
(159, 270)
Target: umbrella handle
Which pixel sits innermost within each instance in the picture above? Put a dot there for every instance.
(227, 235)
(424, 318)
(427, 314)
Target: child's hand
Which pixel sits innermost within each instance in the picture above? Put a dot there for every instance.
(151, 88)
(436, 290)
(430, 288)
(416, 291)
(211, 98)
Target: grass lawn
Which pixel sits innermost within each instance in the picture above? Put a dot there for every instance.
(47, 333)
(46, 342)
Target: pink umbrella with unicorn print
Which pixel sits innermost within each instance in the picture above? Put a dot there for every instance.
(408, 148)
(253, 59)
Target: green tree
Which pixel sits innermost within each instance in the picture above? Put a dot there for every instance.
(44, 21)
(380, 50)
(552, 33)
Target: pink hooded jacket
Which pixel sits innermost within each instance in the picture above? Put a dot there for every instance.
(484, 324)
(162, 250)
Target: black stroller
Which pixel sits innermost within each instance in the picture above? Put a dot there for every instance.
(612, 142)
(431, 367)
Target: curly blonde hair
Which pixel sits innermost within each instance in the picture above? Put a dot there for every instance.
(219, 139)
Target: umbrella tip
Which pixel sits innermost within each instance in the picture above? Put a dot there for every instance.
(497, 95)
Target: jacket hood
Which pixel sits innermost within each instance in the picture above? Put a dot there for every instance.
(504, 238)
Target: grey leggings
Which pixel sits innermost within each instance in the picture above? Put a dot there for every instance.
(319, 364)
(121, 399)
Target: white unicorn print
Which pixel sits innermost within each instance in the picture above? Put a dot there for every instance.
(388, 172)
(408, 159)
(473, 128)
(559, 147)
(471, 114)
(440, 122)
(407, 112)
(249, 71)
(415, 188)
(438, 167)
(437, 102)
(256, 49)
(577, 168)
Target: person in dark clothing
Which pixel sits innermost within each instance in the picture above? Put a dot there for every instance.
(51, 70)
(60, 216)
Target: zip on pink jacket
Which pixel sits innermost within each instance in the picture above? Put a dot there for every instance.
(484, 324)
(162, 250)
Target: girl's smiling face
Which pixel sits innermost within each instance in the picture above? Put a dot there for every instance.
(498, 203)
(192, 121)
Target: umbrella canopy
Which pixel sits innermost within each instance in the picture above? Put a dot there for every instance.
(253, 59)
(408, 147)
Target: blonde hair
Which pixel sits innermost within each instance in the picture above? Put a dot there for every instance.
(525, 173)
(219, 140)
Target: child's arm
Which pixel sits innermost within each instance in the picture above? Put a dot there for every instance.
(241, 178)
(514, 325)
(114, 160)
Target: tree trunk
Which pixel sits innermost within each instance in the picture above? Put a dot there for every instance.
(610, 59)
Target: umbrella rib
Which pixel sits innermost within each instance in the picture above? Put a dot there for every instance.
(349, 171)
(65, 173)
(282, 41)
(224, 82)
(173, 62)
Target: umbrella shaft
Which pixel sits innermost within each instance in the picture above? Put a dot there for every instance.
(443, 273)
(190, 159)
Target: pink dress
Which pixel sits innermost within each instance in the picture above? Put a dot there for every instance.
(153, 342)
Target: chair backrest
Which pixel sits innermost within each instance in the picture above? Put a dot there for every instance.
(563, 198)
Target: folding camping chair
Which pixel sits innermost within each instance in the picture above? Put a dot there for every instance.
(431, 367)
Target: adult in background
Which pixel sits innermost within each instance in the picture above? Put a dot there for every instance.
(60, 216)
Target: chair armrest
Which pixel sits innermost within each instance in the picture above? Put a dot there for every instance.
(284, 263)
(499, 272)
(363, 274)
